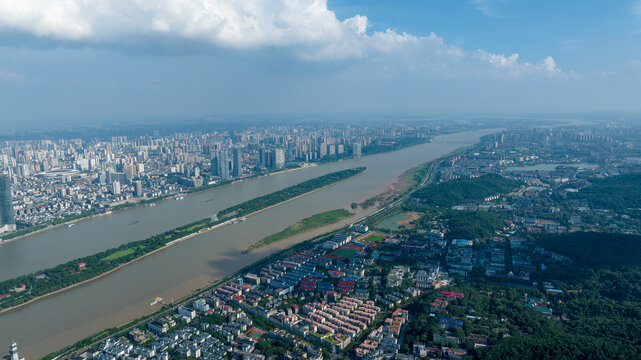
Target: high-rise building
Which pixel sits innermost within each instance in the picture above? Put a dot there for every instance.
(238, 162)
(7, 221)
(115, 188)
(322, 152)
(138, 188)
(267, 158)
(214, 164)
(13, 352)
(279, 156)
(357, 149)
(223, 165)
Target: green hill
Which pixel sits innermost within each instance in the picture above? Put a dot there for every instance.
(615, 193)
(592, 249)
(461, 191)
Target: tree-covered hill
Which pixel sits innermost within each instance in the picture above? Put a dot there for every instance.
(615, 193)
(460, 191)
(592, 249)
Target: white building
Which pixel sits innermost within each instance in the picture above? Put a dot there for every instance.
(279, 156)
(13, 352)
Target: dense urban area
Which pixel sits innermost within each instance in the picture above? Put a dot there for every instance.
(525, 245)
(64, 179)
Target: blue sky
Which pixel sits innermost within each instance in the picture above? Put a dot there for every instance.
(66, 61)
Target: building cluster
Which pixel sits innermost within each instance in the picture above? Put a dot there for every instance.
(350, 293)
(318, 297)
(553, 165)
(60, 178)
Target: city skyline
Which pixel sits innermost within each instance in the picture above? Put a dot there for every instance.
(320, 179)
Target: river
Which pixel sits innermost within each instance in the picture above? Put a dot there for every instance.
(62, 319)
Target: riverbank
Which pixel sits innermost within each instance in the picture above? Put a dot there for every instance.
(145, 202)
(91, 340)
(98, 261)
(301, 227)
(88, 342)
(112, 270)
(196, 263)
(141, 202)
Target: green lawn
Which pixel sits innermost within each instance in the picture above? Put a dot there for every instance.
(345, 253)
(374, 238)
(194, 227)
(306, 224)
(119, 254)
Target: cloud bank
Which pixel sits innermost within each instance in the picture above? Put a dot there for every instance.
(306, 27)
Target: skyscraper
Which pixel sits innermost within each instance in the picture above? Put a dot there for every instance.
(279, 156)
(7, 221)
(223, 165)
(138, 188)
(214, 164)
(357, 149)
(13, 352)
(115, 188)
(238, 162)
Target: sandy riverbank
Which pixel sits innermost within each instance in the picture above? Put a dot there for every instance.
(228, 222)
(139, 202)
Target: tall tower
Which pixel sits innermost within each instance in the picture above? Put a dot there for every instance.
(238, 162)
(13, 352)
(138, 188)
(357, 149)
(279, 158)
(115, 188)
(7, 221)
(223, 165)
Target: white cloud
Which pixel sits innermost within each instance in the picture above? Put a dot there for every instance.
(306, 27)
(239, 24)
(10, 76)
(547, 66)
(486, 7)
(637, 7)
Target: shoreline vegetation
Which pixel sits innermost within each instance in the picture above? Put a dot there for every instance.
(101, 335)
(428, 167)
(304, 225)
(402, 185)
(31, 287)
(86, 215)
(371, 150)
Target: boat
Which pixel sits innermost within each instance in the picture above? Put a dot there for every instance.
(242, 219)
(179, 197)
(155, 301)
(152, 204)
(71, 225)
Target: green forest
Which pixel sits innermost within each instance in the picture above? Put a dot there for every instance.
(603, 310)
(598, 315)
(460, 191)
(617, 193)
(473, 224)
(287, 193)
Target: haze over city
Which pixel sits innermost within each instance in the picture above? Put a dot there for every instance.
(320, 179)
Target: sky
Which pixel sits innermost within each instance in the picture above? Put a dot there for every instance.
(83, 61)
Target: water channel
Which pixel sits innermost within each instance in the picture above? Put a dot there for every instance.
(62, 319)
